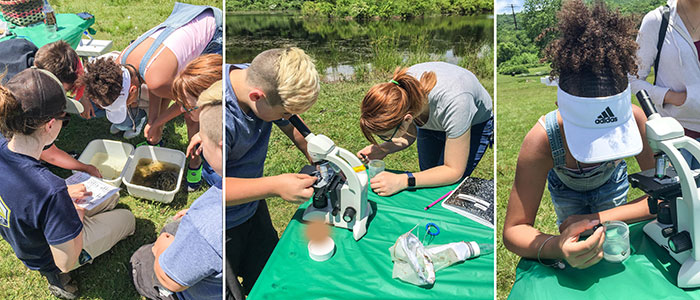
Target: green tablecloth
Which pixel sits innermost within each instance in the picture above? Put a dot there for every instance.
(70, 29)
(362, 269)
(649, 273)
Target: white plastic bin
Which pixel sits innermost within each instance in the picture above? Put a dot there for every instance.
(157, 154)
(117, 154)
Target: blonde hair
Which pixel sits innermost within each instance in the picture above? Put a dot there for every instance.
(287, 77)
(210, 116)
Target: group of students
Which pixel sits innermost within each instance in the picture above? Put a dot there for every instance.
(179, 60)
(582, 163)
(442, 106)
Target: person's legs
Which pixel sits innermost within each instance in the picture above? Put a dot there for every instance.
(144, 277)
(249, 245)
(102, 231)
(431, 148)
(262, 239)
(106, 205)
(481, 138)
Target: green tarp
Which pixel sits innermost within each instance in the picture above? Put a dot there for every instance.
(362, 269)
(70, 29)
(649, 273)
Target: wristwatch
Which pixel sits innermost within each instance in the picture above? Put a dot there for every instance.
(411, 179)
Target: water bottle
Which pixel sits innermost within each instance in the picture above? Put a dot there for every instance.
(49, 17)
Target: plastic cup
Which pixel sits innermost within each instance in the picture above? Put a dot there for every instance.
(616, 247)
(375, 167)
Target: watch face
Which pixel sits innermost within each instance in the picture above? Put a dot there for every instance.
(411, 180)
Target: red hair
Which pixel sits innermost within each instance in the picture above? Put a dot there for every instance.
(197, 76)
(386, 104)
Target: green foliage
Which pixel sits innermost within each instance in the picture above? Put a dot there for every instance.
(512, 70)
(373, 46)
(365, 9)
(538, 16)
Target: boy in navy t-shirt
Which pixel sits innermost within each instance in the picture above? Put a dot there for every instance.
(275, 85)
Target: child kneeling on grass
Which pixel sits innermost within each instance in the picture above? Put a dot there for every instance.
(275, 85)
(583, 161)
(46, 229)
(187, 256)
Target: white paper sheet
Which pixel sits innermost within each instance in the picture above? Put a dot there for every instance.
(100, 190)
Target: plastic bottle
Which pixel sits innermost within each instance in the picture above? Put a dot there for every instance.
(49, 17)
(481, 249)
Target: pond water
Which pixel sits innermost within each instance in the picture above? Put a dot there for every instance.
(345, 49)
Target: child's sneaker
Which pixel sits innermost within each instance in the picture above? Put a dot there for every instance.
(113, 129)
(130, 134)
(194, 178)
(61, 285)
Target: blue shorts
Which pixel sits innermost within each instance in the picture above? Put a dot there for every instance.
(568, 202)
(431, 146)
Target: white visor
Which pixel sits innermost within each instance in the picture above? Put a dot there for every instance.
(599, 129)
(116, 112)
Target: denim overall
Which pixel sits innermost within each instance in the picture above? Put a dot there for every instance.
(582, 192)
(181, 15)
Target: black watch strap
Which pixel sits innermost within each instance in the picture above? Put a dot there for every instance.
(411, 179)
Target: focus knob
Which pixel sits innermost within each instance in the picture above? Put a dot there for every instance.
(349, 214)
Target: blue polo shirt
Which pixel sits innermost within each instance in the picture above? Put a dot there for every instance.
(247, 138)
(35, 209)
(194, 259)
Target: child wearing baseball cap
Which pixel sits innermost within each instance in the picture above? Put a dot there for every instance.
(578, 150)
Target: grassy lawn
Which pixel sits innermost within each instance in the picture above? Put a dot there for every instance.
(108, 277)
(521, 101)
(336, 115)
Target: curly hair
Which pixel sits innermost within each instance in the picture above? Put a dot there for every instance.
(102, 81)
(594, 44)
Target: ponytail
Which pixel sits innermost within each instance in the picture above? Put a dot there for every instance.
(10, 111)
(385, 104)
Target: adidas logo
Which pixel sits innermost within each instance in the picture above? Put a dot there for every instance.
(606, 116)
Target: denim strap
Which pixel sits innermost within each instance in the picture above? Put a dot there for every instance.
(554, 137)
(181, 15)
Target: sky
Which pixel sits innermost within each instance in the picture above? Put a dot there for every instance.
(503, 6)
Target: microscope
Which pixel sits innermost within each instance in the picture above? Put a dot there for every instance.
(340, 191)
(673, 192)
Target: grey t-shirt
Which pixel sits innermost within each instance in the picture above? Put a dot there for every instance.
(457, 101)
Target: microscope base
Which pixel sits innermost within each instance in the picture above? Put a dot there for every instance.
(358, 226)
(689, 273)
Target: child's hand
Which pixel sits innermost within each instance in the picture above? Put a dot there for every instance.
(295, 188)
(575, 218)
(582, 254)
(194, 148)
(180, 214)
(92, 170)
(88, 111)
(163, 241)
(371, 152)
(387, 184)
(153, 134)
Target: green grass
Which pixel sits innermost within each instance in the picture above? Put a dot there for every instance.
(336, 115)
(108, 277)
(521, 101)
